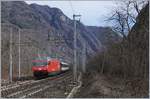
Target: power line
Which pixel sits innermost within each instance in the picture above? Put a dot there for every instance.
(73, 11)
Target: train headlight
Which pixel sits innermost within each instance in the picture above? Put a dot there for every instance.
(53, 69)
(45, 68)
(40, 69)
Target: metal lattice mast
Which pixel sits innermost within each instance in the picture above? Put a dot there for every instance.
(75, 52)
(84, 58)
(75, 48)
(19, 56)
(10, 55)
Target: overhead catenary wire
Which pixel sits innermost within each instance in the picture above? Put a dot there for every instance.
(73, 11)
(72, 8)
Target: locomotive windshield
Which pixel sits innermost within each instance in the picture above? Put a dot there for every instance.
(40, 61)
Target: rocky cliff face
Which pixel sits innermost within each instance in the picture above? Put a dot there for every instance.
(51, 20)
(105, 35)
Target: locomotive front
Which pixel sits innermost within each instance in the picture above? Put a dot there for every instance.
(40, 67)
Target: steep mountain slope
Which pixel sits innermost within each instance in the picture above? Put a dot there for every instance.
(104, 34)
(49, 20)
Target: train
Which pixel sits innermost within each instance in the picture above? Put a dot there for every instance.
(48, 66)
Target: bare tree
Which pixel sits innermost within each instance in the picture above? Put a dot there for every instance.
(124, 16)
(120, 24)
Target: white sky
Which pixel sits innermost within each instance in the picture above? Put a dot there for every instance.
(93, 12)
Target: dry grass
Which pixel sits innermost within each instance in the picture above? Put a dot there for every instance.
(113, 87)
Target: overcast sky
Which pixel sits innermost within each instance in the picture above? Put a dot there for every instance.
(93, 12)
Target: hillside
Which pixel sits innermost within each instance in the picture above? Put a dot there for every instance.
(50, 20)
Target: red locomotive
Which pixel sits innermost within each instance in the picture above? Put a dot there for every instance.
(46, 66)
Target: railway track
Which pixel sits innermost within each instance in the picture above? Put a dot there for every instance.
(15, 84)
(16, 81)
(34, 87)
(4, 82)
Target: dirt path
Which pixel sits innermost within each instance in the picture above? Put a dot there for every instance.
(101, 86)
